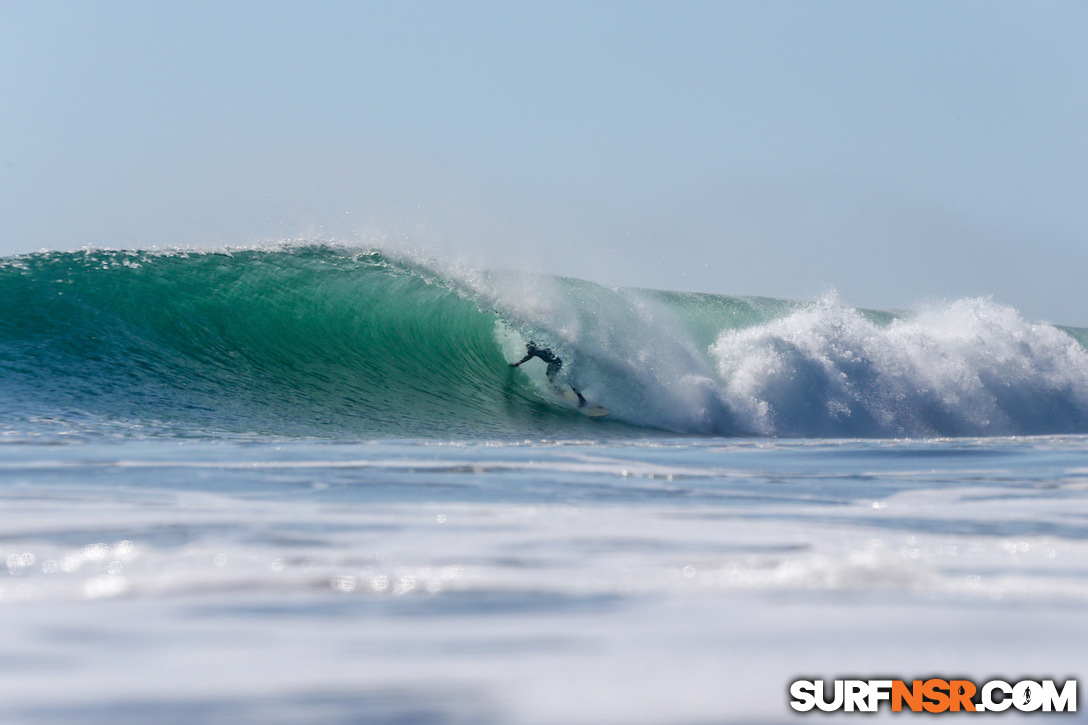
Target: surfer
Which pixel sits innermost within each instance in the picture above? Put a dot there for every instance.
(554, 363)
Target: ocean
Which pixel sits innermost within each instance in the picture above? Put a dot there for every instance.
(303, 483)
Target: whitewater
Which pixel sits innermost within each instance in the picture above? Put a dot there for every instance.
(303, 483)
(332, 341)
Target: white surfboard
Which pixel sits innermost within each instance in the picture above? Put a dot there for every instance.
(566, 392)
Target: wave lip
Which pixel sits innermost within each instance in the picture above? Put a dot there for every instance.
(306, 340)
(330, 341)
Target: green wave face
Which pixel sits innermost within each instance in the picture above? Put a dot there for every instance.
(336, 342)
(312, 340)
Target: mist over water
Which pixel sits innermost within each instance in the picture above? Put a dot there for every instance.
(972, 367)
(300, 482)
(333, 341)
(308, 474)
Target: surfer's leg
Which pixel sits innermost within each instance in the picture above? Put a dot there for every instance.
(581, 400)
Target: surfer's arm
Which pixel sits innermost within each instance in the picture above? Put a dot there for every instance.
(527, 358)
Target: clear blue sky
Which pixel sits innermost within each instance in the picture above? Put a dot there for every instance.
(900, 152)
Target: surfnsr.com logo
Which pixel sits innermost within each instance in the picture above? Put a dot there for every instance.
(934, 695)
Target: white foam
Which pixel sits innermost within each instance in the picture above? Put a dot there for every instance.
(972, 367)
(625, 352)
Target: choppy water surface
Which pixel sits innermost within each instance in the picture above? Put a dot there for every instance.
(302, 483)
(656, 580)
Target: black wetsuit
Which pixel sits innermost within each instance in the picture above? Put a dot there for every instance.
(553, 361)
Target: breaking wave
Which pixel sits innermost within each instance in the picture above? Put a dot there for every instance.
(330, 341)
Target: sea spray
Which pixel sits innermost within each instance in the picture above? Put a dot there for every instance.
(972, 367)
(340, 342)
